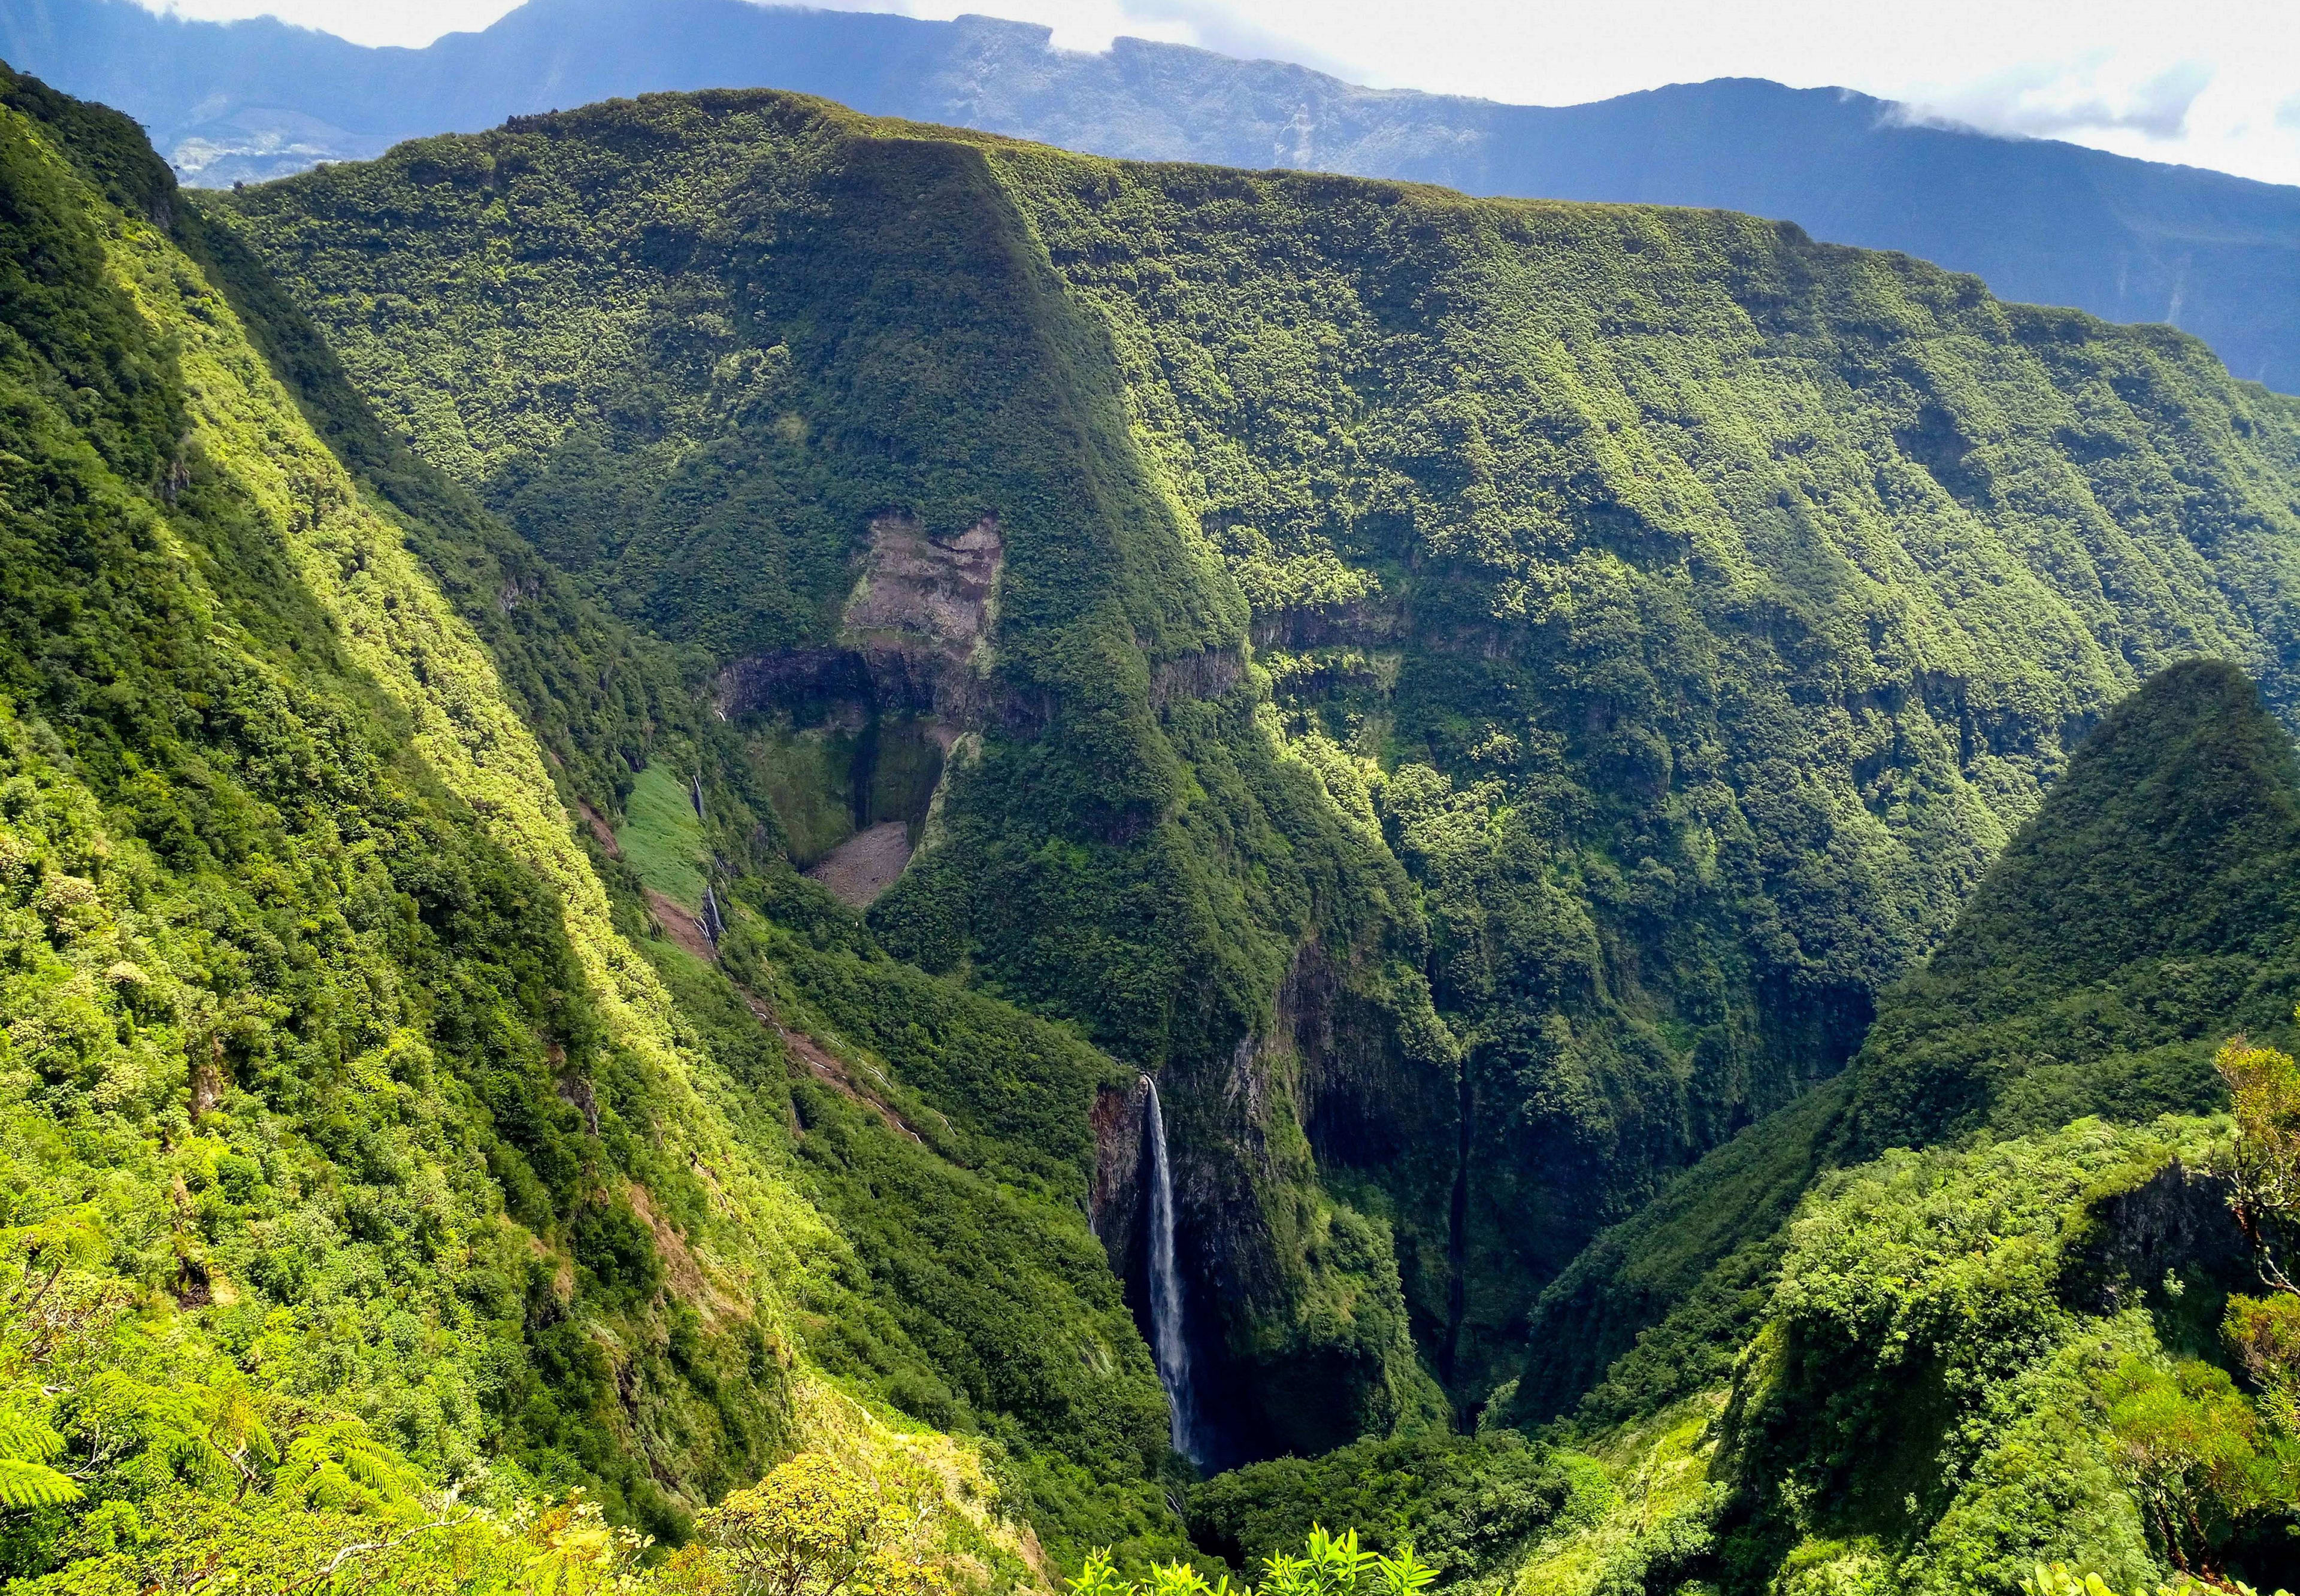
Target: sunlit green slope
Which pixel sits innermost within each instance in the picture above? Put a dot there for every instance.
(353, 1101)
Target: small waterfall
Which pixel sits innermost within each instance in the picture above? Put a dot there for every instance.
(1167, 1346)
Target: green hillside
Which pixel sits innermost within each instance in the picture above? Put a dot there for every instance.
(2148, 912)
(363, 1138)
(1483, 695)
(1823, 1361)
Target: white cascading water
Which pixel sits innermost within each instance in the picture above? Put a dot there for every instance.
(1167, 1346)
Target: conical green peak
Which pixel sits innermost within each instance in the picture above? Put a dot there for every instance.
(2148, 909)
(2174, 831)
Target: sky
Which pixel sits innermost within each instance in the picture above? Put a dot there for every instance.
(2205, 82)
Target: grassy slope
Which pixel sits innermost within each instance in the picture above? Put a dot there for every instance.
(1690, 611)
(276, 837)
(662, 836)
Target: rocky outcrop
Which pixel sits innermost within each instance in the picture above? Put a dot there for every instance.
(793, 680)
(1363, 1097)
(921, 617)
(918, 592)
(1359, 623)
(2177, 1223)
(1207, 674)
(905, 685)
(914, 637)
(1115, 1202)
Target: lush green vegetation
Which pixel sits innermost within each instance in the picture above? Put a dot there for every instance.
(355, 1151)
(1483, 699)
(1712, 606)
(2147, 911)
(293, 1033)
(894, 338)
(1467, 1507)
(1657, 621)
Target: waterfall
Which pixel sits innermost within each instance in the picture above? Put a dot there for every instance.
(1167, 1346)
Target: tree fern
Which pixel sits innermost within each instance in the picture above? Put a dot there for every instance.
(340, 1465)
(23, 1437)
(26, 1480)
(27, 1484)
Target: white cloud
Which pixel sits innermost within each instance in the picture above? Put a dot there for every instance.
(2066, 100)
(2207, 82)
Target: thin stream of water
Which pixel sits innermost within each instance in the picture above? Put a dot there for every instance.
(1168, 1347)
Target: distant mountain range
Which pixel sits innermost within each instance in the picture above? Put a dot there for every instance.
(2042, 222)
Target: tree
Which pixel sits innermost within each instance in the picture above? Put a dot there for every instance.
(814, 1528)
(2264, 1174)
(2058, 1579)
(2265, 1169)
(2192, 1447)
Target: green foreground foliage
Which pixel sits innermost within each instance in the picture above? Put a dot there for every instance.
(1327, 1565)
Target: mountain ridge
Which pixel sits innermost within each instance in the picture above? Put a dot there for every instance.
(2044, 222)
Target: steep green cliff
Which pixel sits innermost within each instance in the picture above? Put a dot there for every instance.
(1633, 631)
(1974, 1305)
(359, 1118)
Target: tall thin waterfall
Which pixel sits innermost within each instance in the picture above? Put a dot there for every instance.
(1167, 1346)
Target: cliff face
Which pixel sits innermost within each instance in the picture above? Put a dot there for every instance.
(1701, 610)
(1478, 696)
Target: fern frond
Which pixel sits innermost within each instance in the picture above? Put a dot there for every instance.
(375, 1469)
(24, 1438)
(340, 1465)
(25, 1484)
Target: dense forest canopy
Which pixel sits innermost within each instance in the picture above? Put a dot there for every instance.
(701, 796)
